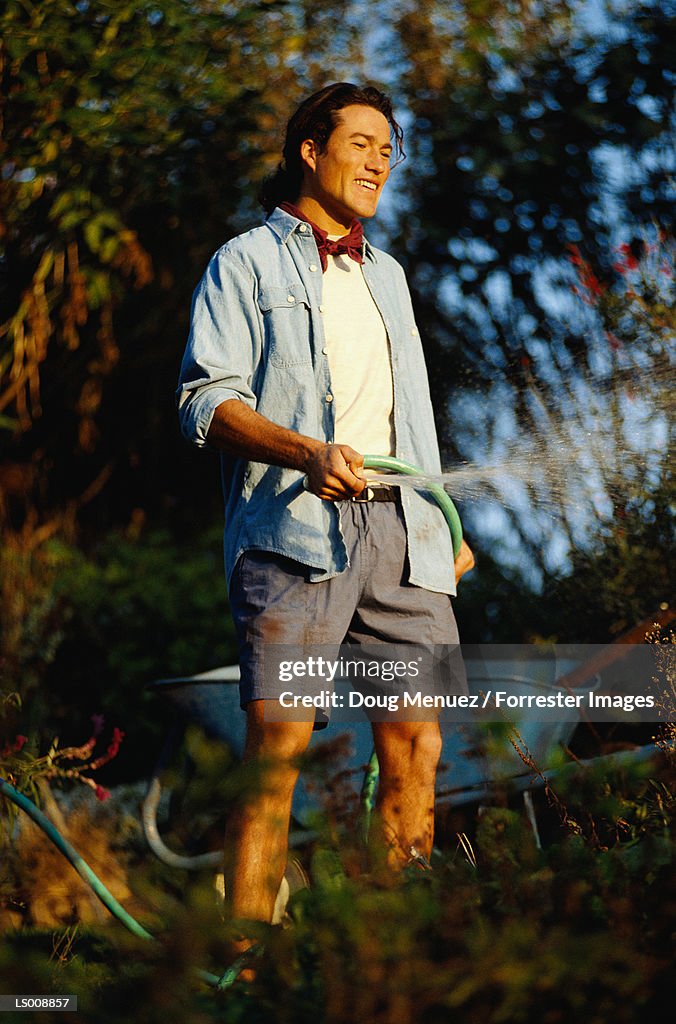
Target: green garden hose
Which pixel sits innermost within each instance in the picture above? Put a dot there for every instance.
(388, 462)
(86, 873)
(368, 794)
(436, 491)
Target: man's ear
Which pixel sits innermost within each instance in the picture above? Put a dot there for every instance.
(308, 153)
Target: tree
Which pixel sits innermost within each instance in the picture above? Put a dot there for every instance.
(135, 136)
(539, 141)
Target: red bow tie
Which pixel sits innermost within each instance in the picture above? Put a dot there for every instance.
(350, 245)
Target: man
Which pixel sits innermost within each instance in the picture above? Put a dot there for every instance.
(304, 355)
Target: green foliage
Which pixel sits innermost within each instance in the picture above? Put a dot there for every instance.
(139, 608)
(494, 606)
(135, 138)
(577, 928)
(150, 607)
(627, 575)
(511, 113)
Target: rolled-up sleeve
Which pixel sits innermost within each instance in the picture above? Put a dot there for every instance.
(223, 347)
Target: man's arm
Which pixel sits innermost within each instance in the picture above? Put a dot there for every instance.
(217, 405)
(334, 471)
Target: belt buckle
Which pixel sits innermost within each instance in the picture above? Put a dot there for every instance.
(364, 496)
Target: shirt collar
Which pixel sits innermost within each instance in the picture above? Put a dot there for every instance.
(284, 225)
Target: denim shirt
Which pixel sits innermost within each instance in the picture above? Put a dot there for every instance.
(257, 336)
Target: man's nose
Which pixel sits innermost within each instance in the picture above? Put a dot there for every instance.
(376, 162)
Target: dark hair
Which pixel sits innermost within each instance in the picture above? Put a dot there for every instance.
(315, 119)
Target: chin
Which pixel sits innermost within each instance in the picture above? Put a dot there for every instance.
(369, 210)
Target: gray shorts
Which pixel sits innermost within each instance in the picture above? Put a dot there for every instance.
(371, 602)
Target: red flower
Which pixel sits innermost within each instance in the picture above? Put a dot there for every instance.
(629, 261)
(101, 793)
(592, 284)
(114, 746)
(576, 256)
(593, 288)
(14, 748)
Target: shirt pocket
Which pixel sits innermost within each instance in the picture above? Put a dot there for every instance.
(286, 320)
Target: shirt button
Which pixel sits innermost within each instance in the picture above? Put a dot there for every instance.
(290, 298)
(329, 398)
(325, 351)
(322, 309)
(413, 330)
(303, 228)
(313, 267)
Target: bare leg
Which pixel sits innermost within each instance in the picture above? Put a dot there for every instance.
(257, 835)
(408, 754)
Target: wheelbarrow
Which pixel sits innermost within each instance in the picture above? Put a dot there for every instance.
(527, 756)
(468, 771)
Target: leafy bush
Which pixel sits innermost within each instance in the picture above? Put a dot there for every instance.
(103, 625)
(580, 928)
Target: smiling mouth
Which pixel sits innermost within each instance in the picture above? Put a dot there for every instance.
(370, 186)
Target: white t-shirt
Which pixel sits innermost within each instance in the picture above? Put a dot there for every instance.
(358, 352)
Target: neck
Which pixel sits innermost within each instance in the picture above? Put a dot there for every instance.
(332, 223)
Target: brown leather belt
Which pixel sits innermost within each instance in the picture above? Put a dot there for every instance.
(378, 492)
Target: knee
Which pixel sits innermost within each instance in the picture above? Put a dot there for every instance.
(285, 746)
(427, 744)
(278, 742)
(412, 743)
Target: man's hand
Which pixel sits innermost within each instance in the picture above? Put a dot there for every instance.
(335, 472)
(464, 562)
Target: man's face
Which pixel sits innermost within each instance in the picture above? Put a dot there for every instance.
(346, 179)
